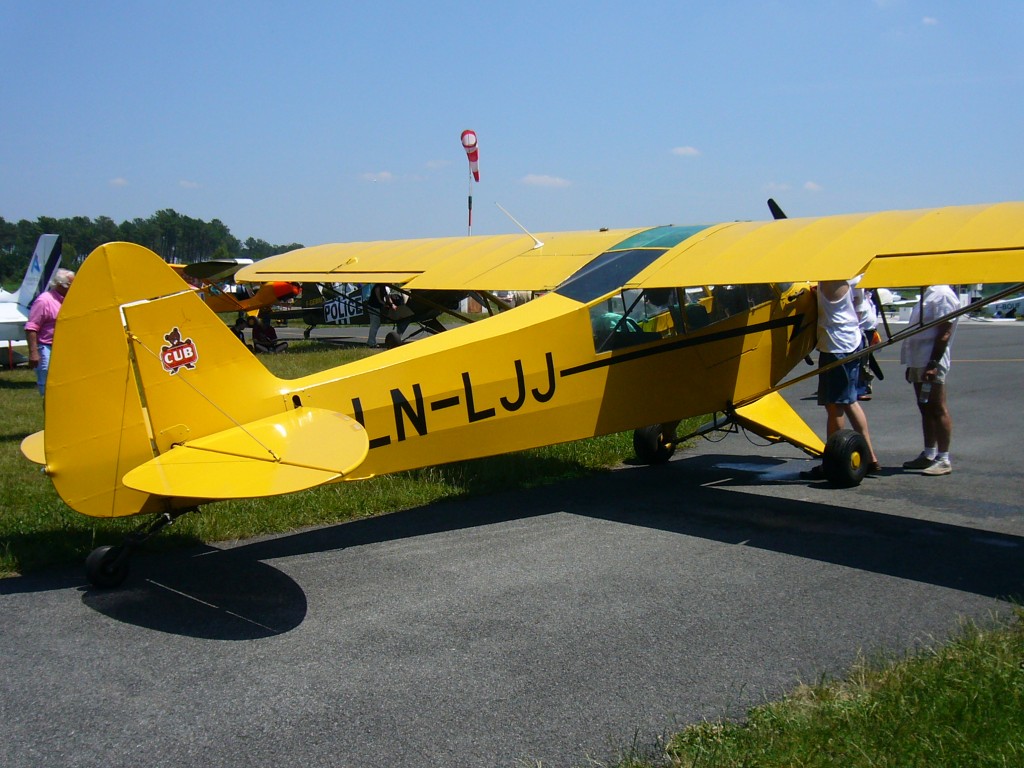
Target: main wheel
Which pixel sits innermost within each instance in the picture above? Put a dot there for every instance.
(106, 568)
(652, 445)
(846, 458)
(392, 340)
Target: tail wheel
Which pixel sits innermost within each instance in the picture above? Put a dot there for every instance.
(653, 444)
(107, 566)
(846, 458)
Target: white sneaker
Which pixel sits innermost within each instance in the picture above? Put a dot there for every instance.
(939, 467)
(921, 462)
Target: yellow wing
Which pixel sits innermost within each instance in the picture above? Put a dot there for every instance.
(958, 244)
(478, 263)
(962, 244)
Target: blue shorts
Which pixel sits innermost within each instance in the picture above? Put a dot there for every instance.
(839, 385)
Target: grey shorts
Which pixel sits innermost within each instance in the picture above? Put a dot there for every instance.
(916, 375)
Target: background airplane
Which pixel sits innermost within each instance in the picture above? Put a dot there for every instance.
(14, 307)
(325, 304)
(213, 279)
(1009, 309)
(639, 329)
(345, 304)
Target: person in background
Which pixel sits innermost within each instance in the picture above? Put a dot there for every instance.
(42, 320)
(241, 323)
(868, 319)
(927, 357)
(264, 337)
(379, 305)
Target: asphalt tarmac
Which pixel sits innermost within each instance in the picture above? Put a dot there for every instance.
(550, 625)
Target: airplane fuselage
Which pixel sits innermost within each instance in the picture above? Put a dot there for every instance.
(532, 376)
(1006, 308)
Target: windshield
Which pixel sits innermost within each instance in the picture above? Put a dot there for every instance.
(616, 266)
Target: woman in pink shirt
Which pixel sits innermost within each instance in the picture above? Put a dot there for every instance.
(42, 318)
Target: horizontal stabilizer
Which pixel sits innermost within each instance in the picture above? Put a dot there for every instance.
(774, 419)
(287, 452)
(32, 448)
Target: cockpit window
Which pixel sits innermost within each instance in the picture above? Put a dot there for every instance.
(724, 301)
(607, 272)
(634, 316)
(616, 266)
(631, 316)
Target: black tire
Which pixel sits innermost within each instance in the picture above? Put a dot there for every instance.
(652, 445)
(106, 568)
(846, 458)
(392, 340)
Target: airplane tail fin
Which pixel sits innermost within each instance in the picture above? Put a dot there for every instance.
(311, 295)
(44, 262)
(153, 403)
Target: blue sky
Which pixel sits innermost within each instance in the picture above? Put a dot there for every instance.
(317, 122)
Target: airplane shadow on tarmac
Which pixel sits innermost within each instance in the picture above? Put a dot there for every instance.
(213, 594)
(688, 497)
(951, 556)
(231, 594)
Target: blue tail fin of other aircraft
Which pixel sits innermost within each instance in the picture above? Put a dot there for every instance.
(44, 262)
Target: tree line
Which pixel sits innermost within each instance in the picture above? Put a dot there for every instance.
(175, 237)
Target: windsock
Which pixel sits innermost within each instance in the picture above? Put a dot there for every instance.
(469, 144)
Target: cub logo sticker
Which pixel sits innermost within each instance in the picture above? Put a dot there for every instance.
(179, 353)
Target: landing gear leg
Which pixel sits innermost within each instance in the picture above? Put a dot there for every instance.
(107, 566)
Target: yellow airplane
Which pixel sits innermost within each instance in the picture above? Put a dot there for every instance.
(640, 329)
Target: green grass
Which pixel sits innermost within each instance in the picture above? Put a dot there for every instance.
(38, 530)
(960, 703)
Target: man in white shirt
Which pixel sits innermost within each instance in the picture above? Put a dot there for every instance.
(927, 357)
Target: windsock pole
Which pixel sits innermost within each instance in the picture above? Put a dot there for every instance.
(469, 143)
